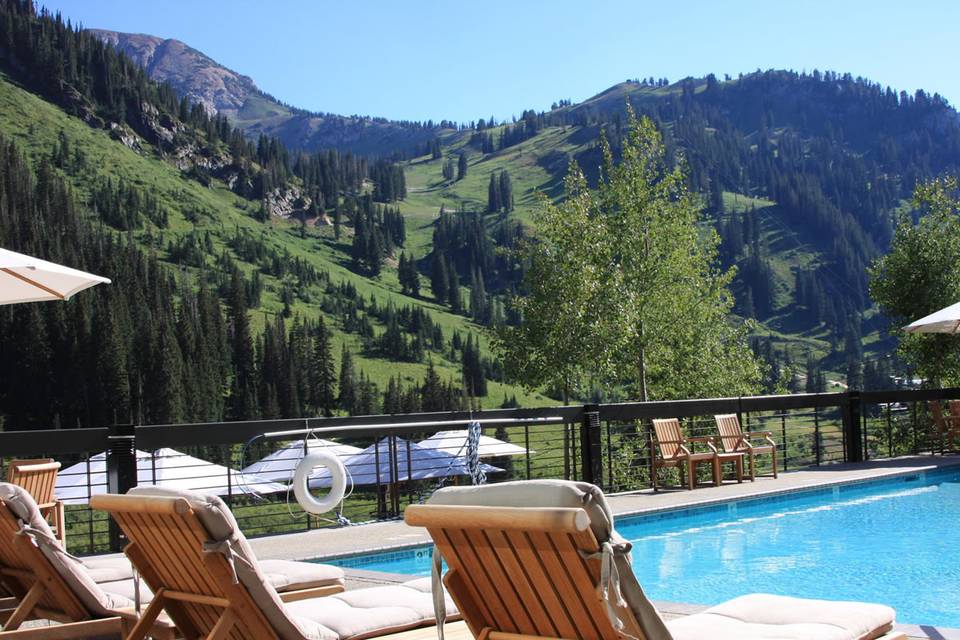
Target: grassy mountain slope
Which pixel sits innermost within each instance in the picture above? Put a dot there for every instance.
(537, 166)
(37, 126)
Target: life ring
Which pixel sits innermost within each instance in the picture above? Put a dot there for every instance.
(338, 482)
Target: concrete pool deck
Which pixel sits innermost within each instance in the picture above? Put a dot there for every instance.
(383, 536)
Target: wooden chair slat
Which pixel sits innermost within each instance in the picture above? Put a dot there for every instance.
(509, 592)
(571, 592)
(544, 589)
(526, 593)
(475, 572)
(469, 591)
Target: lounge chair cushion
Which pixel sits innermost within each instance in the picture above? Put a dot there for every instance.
(762, 616)
(287, 575)
(374, 611)
(561, 494)
(283, 575)
(72, 570)
(108, 568)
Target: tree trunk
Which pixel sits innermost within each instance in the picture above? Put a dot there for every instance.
(642, 366)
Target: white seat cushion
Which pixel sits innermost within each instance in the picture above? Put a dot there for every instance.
(287, 575)
(108, 568)
(767, 617)
(374, 611)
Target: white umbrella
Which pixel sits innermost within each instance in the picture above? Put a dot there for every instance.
(26, 279)
(455, 443)
(164, 468)
(413, 462)
(280, 465)
(947, 320)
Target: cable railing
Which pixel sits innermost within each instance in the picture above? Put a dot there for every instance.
(398, 460)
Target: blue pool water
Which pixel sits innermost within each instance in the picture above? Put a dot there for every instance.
(894, 541)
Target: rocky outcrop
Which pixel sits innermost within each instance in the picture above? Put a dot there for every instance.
(288, 202)
(190, 72)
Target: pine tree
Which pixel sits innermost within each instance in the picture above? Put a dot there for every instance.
(431, 392)
(453, 290)
(506, 191)
(243, 391)
(461, 166)
(439, 278)
(493, 195)
(348, 383)
(323, 396)
(392, 397)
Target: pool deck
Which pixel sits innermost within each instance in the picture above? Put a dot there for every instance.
(383, 536)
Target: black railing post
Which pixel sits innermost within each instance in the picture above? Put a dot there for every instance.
(121, 471)
(853, 427)
(591, 451)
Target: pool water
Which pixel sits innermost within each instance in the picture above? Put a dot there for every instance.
(895, 541)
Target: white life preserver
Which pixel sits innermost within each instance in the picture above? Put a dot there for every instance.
(338, 482)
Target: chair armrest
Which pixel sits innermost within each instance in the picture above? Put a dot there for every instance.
(707, 440)
(757, 434)
(313, 592)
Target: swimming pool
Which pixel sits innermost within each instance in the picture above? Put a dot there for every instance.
(893, 541)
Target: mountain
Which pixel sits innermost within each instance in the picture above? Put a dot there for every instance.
(803, 176)
(190, 72)
(220, 90)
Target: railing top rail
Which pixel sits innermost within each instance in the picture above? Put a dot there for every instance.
(30, 443)
(705, 406)
(909, 395)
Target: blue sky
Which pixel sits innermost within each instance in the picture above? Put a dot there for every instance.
(465, 60)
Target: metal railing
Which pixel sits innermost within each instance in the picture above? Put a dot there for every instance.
(609, 445)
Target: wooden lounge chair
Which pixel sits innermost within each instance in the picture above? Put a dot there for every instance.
(47, 583)
(676, 450)
(540, 559)
(946, 427)
(191, 553)
(39, 477)
(735, 440)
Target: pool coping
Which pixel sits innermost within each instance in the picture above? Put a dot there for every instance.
(945, 462)
(774, 493)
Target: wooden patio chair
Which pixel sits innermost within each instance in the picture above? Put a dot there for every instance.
(191, 553)
(673, 449)
(734, 440)
(47, 583)
(540, 559)
(946, 426)
(39, 477)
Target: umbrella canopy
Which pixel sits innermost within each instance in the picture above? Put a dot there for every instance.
(26, 279)
(280, 465)
(413, 462)
(455, 443)
(947, 320)
(164, 468)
